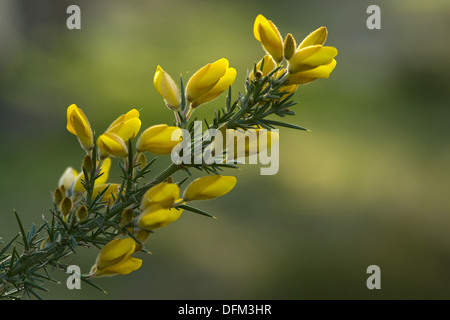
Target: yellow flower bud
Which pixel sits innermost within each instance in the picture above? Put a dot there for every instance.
(167, 88)
(156, 216)
(66, 206)
(209, 187)
(78, 124)
(267, 33)
(289, 46)
(126, 126)
(110, 144)
(209, 82)
(114, 141)
(159, 139)
(164, 194)
(82, 213)
(68, 178)
(110, 195)
(115, 258)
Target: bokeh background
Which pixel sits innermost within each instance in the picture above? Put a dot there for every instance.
(368, 186)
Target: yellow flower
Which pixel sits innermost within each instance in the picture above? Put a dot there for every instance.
(68, 178)
(157, 216)
(167, 88)
(312, 60)
(209, 187)
(110, 195)
(114, 141)
(115, 258)
(159, 139)
(78, 185)
(164, 194)
(126, 126)
(78, 124)
(267, 33)
(110, 144)
(209, 82)
(156, 206)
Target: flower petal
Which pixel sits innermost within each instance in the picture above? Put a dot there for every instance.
(209, 187)
(318, 36)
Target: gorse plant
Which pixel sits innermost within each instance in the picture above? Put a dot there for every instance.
(117, 217)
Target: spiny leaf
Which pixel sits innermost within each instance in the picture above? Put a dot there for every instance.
(6, 247)
(284, 124)
(88, 281)
(22, 232)
(195, 210)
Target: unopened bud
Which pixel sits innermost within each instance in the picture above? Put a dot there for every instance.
(87, 163)
(66, 206)
(289, 46)
(82, 213)
(258, 75)
(63, 189)
(126, 217)
(57, 196)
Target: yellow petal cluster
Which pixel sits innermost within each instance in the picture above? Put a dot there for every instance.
(312, 60)
(159, 139)
(78, 124)
(114, 141)
(309, 61)
(209, 82)
(115, 258)
(156, 206)
(163, 194)
(110, 144)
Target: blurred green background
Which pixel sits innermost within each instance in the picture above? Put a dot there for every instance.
(369, 185)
